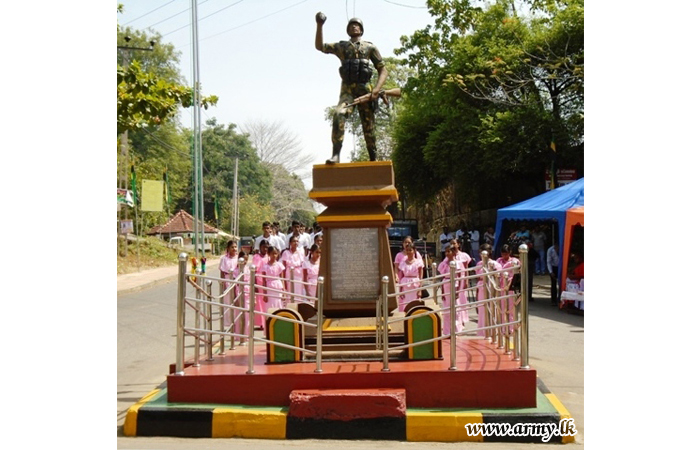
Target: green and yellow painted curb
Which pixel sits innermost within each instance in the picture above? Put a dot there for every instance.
(154, 416)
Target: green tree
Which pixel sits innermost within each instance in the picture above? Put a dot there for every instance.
(493, 90)
(149, 86)
(221, 145)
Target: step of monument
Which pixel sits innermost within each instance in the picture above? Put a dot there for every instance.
(347, 404)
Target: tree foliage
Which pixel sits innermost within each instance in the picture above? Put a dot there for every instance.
(494, 88)
(149, 87)
(277, 145)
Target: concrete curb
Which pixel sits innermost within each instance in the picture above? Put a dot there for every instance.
(154, 416)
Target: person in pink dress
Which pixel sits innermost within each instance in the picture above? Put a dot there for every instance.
(259, 261)
(227, 264)
(243, 295)
(463, 285)
(292, 260)
(491, 265)
(400, 256)
(410, 276)
(508, 262)
(448, 285)
(273, 278)
(310, 269)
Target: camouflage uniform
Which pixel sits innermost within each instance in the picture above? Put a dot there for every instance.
(355, 73)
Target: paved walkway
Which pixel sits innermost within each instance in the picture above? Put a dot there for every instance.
(136, 281)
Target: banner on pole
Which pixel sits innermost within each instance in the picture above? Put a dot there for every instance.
(124, 196)
(152, 195)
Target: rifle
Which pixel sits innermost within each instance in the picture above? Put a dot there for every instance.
(383, 94)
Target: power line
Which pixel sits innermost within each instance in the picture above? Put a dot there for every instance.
(406, 6)
(252, 21)
(175, 15)
(149, 12)
(215, 12)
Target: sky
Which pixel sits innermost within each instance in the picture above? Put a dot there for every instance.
(259, 57)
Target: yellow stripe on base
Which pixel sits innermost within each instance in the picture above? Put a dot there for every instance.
(563, 414)
(352, 164)
(431, 426)
(132, 413)
(247, 423)
(356, 218)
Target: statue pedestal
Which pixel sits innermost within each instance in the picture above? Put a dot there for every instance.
(355, 249)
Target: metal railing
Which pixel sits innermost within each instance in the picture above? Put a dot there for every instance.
(203, 302)
(497, 307)
(498, 304)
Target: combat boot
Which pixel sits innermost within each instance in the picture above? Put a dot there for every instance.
(336, 154)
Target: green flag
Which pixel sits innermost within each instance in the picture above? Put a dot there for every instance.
(167, 188)
(216, 209)
(133, 183)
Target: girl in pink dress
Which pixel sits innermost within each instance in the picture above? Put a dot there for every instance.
(448, 285)
(480, 293)
(259, 261)
(292, 260)
(400, 256)
(310, 268)
(273, 279)
(508, 262)
(410, 276)
(227, 265)
(244, 299)
(465, 259)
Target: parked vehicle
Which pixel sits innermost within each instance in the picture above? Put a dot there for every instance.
(399, 229)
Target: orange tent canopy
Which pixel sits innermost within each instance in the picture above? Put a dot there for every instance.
(574, 216)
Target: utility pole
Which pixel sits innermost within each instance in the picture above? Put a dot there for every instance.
(234, 200)
(124, 139)
(198, 209)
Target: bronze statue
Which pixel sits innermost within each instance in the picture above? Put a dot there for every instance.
(356, 73)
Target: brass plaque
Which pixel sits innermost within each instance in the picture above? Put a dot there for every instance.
(354, 262)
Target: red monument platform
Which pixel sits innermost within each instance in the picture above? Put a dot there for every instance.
(486, 377)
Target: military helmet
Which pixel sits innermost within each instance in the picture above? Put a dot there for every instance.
(357, 21)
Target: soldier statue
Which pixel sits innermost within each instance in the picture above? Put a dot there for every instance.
(355, 73)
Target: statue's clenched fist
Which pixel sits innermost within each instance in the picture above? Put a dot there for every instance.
(320, 18)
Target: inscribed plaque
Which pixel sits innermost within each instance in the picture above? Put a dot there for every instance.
(354, 262)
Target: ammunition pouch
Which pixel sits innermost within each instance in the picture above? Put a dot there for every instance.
(355, 71)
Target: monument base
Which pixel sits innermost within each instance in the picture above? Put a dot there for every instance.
(356, 250)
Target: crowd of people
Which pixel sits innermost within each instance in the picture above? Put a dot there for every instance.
(286, 268)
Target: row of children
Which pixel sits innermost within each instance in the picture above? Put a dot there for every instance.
(408, 269)
(280, 277)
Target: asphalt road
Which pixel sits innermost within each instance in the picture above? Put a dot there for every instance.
(146, 348)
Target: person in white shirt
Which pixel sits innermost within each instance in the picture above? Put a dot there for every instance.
(553, 269)
(474, 238)
(267, 235)
(445, 239)
(296, 232)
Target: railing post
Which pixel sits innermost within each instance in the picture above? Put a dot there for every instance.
(385, 325)
(239, 300)
(319, 325)
(453, 316)
(222, 311)
(181, 288)
(210, 336)
(291, 285)
(487, 294)
(197, 319)
(435, 284)
(524, 325)
(251, 319)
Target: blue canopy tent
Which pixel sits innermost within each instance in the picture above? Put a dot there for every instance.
(551, 205)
